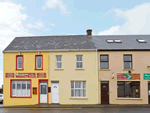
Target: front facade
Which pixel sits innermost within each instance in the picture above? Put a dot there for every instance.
(80, 69)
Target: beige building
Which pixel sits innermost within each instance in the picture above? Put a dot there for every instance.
(77, 69)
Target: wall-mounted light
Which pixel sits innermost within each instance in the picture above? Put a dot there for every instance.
(129, 71)
(148, 67)
(113, 75)
(19, 53)
(38, 53)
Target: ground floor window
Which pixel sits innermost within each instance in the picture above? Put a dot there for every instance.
(129, 89)
(21, 88)
(78, 88)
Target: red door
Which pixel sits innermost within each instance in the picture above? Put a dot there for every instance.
(104, 92)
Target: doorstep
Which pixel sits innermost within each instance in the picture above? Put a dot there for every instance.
(79, 106)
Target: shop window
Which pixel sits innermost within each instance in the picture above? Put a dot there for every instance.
(19, 62)
(78, 88)
(38, 62)
(21, 88)
(58, 61)
(104, 64)
(127, 61)
(129, 89)
(79, 62)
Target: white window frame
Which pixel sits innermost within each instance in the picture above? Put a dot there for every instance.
(18, 62)
(79, 62)
(79, 89)
(37, 62)
(58, 61)
(21, 88)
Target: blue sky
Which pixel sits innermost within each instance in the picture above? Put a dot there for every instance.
(71, 17)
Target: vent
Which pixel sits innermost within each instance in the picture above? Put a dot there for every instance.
(141, 40)
(117, 41)
(110, 41)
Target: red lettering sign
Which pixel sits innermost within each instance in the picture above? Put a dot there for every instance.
(25, 75)
(9, 75)
(41, 75)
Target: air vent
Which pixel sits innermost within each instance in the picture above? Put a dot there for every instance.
(110, 41)
(141, 40)
(117, 41)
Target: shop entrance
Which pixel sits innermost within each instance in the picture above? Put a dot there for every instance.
(104, 92)
(149, 92)
(43, 91)
(55, 91)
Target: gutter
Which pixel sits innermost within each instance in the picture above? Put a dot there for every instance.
(48, 50)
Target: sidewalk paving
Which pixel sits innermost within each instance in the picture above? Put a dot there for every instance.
(77, 106)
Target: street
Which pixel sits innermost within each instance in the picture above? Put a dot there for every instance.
(74, 110)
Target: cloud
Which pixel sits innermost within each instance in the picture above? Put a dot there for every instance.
(11, 23)
(51, 24)
(37, 25)
(52, 4)
(136, 21)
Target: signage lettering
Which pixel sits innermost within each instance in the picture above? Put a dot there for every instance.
(146, 76)
(132, 76)
(41, 75)
(9, 75)
(25, 75)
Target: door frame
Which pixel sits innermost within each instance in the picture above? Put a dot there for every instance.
(58, 90)
(39, 90)
(148, 93)
(101, 90)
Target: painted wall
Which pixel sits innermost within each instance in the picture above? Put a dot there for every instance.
(29, 67)
(141, 59)
(70, 73)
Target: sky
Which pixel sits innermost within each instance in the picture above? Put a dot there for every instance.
(71, 17)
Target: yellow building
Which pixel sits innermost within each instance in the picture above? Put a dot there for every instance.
(77, 69)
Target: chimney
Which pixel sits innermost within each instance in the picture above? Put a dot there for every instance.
(89, 32)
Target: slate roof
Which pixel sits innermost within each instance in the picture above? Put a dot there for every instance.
(129, 42)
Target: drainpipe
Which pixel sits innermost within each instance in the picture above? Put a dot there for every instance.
(97, 75)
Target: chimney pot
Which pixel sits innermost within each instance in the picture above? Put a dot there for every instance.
(89, 32)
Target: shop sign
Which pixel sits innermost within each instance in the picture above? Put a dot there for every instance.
(41, 75)
(25, 75)
(132, 76)
(9, 75)
(146, 76)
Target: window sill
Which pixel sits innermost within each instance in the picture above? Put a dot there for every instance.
(38, 69)
(79, 98)
(104, 69)
(79, 69)
(129, 98)
(59, 69)
(128, 69)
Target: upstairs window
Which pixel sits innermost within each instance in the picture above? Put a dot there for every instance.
(127, 61)
(58, 61)
(79, 62)
(19, 62)
(104, 62)
(38, 62)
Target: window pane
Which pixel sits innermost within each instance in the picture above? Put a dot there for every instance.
(72, 93)
(58, 65)
(24, 92)
(104, 58)
(128, 89)
(13, 85)
(79, 57)
(79, 65)
(84, 84)
(28, 84)
(77, 92)
(120, 82)
(13, 92)
(104, 65)
(127, 65)
(58, 58)
(43, 89)
(77, 84)
(24, 85)
(39, 62)
(18, 84)
(28, 92)
(84, 93)
(19, 62)
(127, 58)
(120, 91)
(72, 84)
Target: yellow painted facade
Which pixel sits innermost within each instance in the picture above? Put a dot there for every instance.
(29, 67)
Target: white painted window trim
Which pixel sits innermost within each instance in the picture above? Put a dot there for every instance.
(79, 62)
(37, 62)
(58, 62)
(18, 62)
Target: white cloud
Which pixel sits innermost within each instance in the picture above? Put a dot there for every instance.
(37, 25)
(51, 24)
(52, 4)
(136, 21)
